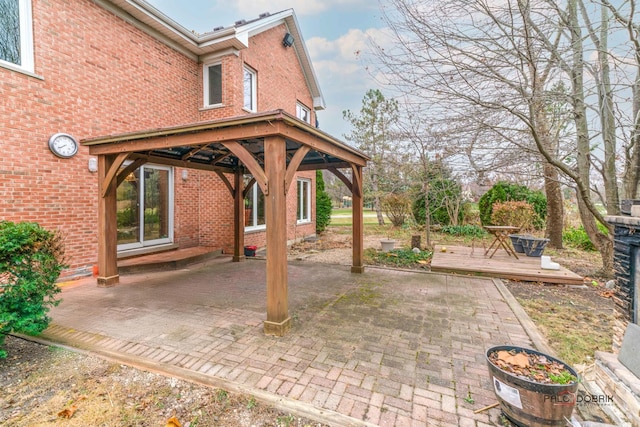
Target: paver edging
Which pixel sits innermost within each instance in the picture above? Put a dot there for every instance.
(539, 342)
(282, 403)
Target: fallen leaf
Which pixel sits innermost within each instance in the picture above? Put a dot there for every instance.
(520, 360)
(173, 422)
(607, 294)
(68, 413)
(421, 261)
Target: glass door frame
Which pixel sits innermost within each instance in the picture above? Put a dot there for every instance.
(142, 243)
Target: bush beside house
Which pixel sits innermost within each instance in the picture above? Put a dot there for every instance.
(31, 259)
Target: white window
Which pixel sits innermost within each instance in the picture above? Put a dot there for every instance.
(254, 208)
(303, 113)
(212, 84)
(16, 34)
(304, 200)
(249, 81)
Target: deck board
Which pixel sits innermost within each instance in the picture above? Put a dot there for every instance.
(466, 260)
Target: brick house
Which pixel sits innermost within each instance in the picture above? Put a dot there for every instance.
(175, 132)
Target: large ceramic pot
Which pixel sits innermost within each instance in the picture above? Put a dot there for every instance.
(515, 242)
(530, 403)
(533, 246)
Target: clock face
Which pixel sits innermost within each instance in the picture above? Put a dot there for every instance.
(63, 145)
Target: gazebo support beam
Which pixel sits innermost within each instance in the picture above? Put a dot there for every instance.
(107, 224)
(238, 217)
(278, 321)
(357, 221)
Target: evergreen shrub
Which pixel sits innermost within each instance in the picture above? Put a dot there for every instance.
(31, 259)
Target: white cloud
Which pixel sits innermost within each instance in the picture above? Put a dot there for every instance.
(348, 47)
(340, 65)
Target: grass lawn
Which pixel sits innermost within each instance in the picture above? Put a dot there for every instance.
(342, 217)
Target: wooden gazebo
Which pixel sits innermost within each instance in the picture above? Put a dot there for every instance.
(270, 146)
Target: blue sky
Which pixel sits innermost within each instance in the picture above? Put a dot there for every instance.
(333, 30)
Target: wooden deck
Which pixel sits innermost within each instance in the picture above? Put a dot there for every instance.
(168, 260)
(466, 260)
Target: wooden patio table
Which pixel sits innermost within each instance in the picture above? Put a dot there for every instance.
(501, 234)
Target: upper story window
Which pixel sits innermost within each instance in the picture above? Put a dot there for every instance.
(304, 200)
(249, 79)
(303, 113)
(16, 34)
(212, 84)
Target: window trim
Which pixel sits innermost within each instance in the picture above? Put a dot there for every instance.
(27, 63)
(299, 209)
(205, 85)
(254, 97)
(301, 107)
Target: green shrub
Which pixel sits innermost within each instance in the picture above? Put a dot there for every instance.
(323, 204)
(31, 259)
(464, 230)
(518, 214)
(503, 192)
(577, 237)
(396, 207)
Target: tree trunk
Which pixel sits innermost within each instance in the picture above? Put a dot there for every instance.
(603, 242)
(607, 120)
(555, 206)
(376, 198)
(427, 216)
(632, 167)
(378, 208)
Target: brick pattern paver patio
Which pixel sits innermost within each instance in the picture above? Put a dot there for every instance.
(388, 348)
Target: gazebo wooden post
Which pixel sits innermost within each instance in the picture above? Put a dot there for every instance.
(238, 217)
(278, 321)
(107, 225)
(357, 221)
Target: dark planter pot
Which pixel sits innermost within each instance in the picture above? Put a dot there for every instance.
(515, 242)
(528, 403)
(533, 246)
(250, 250)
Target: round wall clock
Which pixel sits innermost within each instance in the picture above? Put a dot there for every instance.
(63, 145)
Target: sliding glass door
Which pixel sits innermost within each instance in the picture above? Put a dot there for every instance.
(145, 208)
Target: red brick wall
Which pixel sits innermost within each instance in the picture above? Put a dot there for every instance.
(98, 76)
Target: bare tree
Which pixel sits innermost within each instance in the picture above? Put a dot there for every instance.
(372, 133)
(510, 75)
(483, 57)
